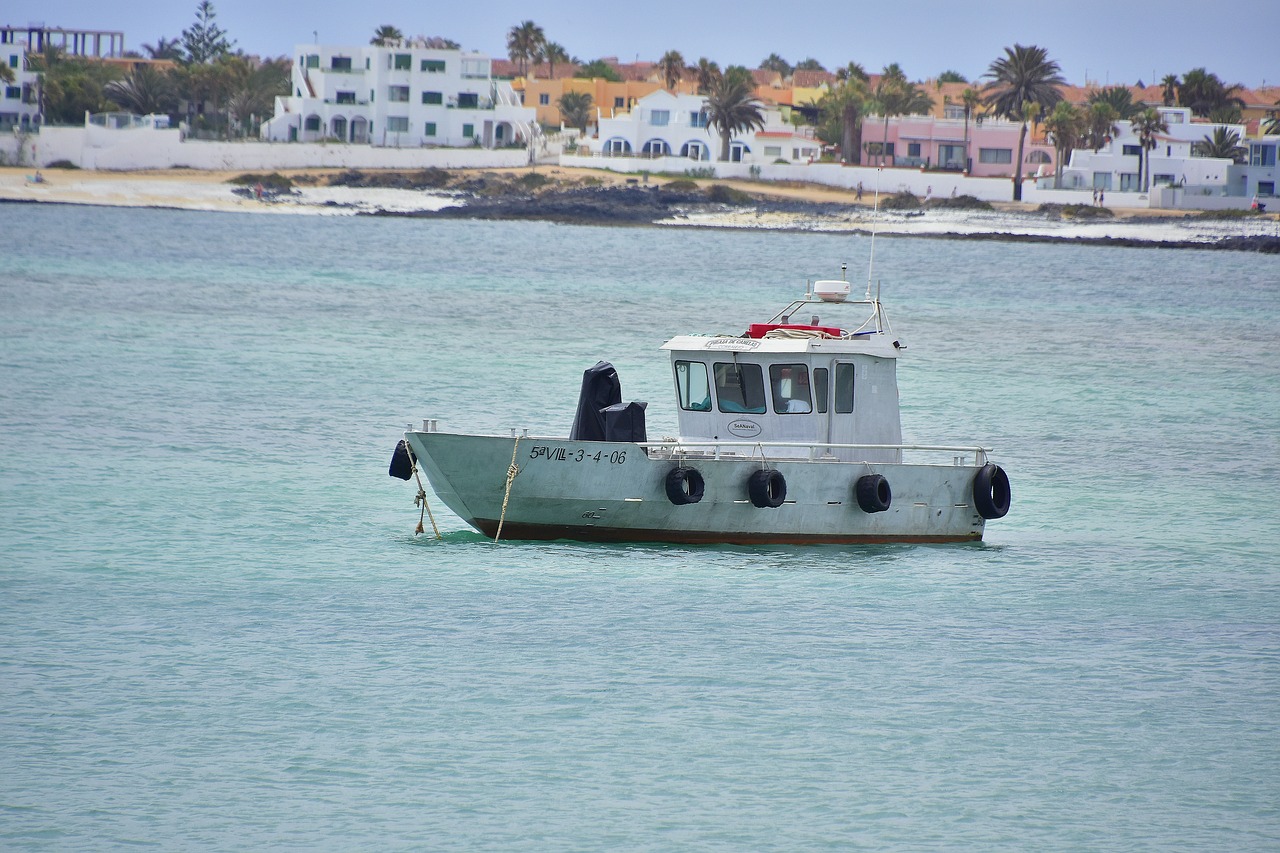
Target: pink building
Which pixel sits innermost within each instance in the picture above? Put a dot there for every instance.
(940, 143)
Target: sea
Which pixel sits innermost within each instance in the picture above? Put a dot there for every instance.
(219, 631)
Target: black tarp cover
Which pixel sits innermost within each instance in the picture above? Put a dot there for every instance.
(600, 389)
(624, 422)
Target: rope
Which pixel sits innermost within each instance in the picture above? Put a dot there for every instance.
(421, 498)
(512, 471)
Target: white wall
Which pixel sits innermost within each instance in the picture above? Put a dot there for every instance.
(146, 148)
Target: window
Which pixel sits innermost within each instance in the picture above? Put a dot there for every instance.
(312, 123)
(1039, 157)
(544, 99)
(1162, 179)
(692, 387)
(338, 63)
(435, 66)
(468, 100)
(790, 384)
(740, 388)
(13, 60)
(995, 155)
(13, 92)
(619, 103)
(953, 111)
(698, 119)
(312, 60)
(468, 130)
(430, 129)
(913, 149)
(660, 118)
(1132, 150)
(346, 97)
(820, 390)
(844, 388)
(1266, 188)
(433, 97)
(402, 62)
(398, 124)
(773, 151)
(398, 94)
(1262, 155)
(1102, 180)
(475, 68)
(1129, 183)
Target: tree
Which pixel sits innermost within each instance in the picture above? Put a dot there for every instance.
(808, 64)
(1169, 95)
(144, 91)
(1120, 99)
(972, 99)
(524, 42)
(555, 52)
(852, 70)
(1023, 76)
(600, 68)
(732, 108)
(843, 106)
(164, 48)
(1271, 124)
(707, 73)
(253, 90)
(1146, 125)
(575, 109)
(70, 86)
(949, 76)
(1064, 127)
(386, 35)
(205, 41)
(776, 63)
(1203, 92)
(671, 68)
(1102, 127)
(1223, 144)
(6, 73)
(894, 95)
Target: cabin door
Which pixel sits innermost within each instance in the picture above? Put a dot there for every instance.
(841, 417)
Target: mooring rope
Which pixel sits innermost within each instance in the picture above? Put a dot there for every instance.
(512, 471)
(421, 498)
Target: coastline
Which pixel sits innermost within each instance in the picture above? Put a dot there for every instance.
(598, 197)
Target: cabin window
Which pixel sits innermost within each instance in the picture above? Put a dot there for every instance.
(820, 390)
(844, 388)
(740, 388)
(692, 386)
(790, 384)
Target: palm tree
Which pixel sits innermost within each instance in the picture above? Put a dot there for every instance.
(575, 109)
(1146, 125)
(776, 63)
(254, 88)
(671, 68)
(972, 99)
(1170, 94)
(1271, 124)
(6, 73)
(164, 48)
(144, 91)
(1024, 75)
(1223, 144)
(853, 69)
(524, 42)
(845, 105)
(386, 35)
(895, 96)
(1101, 118)
(732, 108)
(1064, 127)
(555, 52)
(707, 73)
(808, 64)
(1203, 92)
(1120, 99)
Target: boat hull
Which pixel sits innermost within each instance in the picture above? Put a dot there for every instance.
(617, 492)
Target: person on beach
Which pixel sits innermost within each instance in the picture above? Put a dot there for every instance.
(1102, 198)
(858, 195)
(1095, 196)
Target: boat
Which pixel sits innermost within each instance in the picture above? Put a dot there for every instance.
(789, 433)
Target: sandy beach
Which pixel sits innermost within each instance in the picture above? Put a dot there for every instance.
(771, 206)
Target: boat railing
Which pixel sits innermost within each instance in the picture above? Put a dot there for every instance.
(809, 451)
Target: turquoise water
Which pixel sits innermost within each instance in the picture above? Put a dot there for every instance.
(218, 631)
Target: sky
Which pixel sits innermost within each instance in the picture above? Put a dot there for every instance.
(1102, 41)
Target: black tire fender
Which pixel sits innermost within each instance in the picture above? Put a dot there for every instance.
(873, 493)
(767, 488)
(991, 495)
(685, 486)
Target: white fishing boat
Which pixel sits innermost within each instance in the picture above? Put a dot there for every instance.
(789, 432)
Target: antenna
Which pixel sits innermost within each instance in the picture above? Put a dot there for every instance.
(875, 219)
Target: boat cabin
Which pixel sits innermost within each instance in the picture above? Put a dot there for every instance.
(786, 382)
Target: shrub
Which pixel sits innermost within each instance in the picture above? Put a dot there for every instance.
(721, 194)
(901, 201)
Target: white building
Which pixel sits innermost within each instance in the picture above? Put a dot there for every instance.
(675, 125)
(405, 95)
(19, 100)
(1115, 166)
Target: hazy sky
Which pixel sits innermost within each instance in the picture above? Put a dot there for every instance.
(1108, 41)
